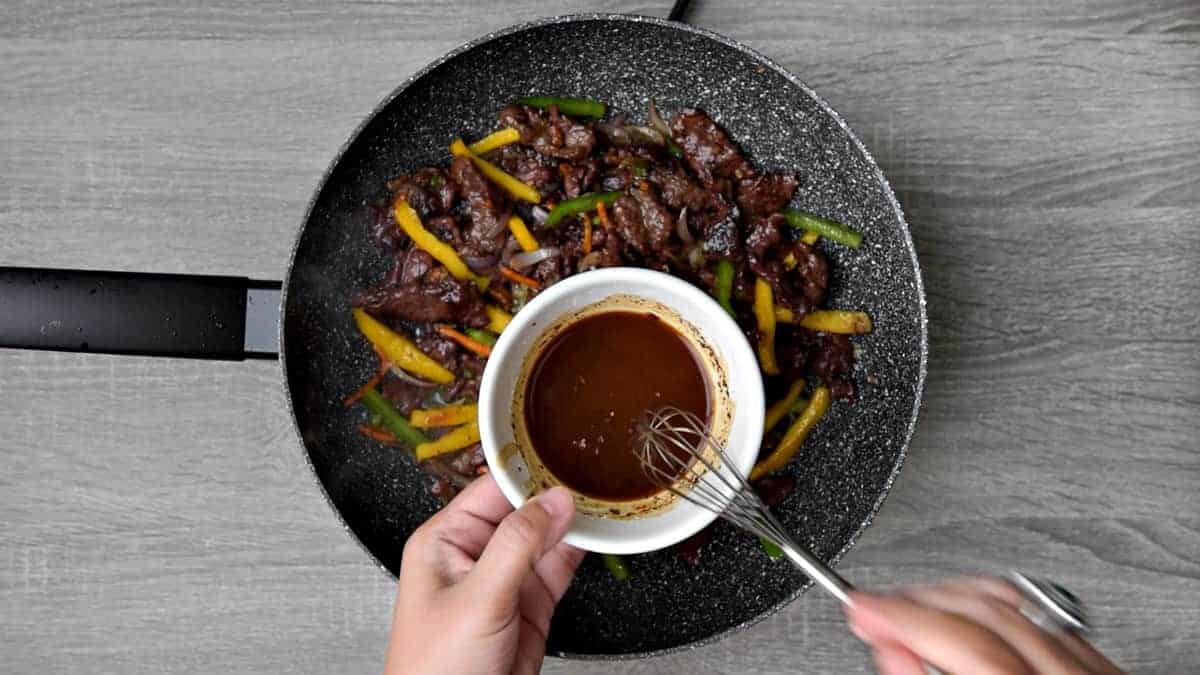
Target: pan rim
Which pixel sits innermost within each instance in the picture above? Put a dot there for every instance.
(822, 104)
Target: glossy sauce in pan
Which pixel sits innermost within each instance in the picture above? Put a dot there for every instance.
(592, 382)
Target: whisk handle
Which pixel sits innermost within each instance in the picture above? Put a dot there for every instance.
(818, 571)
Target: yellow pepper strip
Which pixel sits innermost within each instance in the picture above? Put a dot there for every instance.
(837, 321)
(781, 408)
(809, 237)
(497, 318)
(784, 315)
(786, 450)
(510, 184)
(466, 435)
(522, 234)
(447, 416)
(764, 313)
(400, 350)
(410, 222)
(790, 262)
(495, 140)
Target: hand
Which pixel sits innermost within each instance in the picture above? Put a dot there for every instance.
(479, 582)
(966, 626)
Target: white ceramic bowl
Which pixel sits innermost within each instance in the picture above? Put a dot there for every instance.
(720, 334)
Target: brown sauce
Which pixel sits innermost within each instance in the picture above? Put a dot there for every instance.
(589, 386)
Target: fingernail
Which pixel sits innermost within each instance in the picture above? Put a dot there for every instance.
(557, 501)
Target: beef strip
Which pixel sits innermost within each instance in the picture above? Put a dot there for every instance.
(656, 219)
(549, 133)
(578, 178)
(766, 193)
(425, 292)
(528, 167)
(800, 289)
(689, 549)
(678, 189)
(708, 150)
(827, 356)
(775, 488)
(831, 358)
(383, 229)
(626, 219)
(722, 237)
(426, 190)
(484, 206)
(446, 229)
(404, 396)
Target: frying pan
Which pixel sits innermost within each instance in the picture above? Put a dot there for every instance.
(847, 465)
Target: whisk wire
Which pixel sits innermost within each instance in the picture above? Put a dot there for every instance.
(679, 454)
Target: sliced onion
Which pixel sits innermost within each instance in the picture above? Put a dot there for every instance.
(412, 379)
(696, 256)
(589, 261)
(617, 134)
(481, 262)
(522, 260)
(511, 247)
(539, 214)
(647, 135)
(681, 228)
(657, 121)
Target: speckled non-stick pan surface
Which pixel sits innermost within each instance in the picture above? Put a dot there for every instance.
(849, 462)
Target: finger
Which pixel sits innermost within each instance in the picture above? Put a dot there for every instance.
(996, 587)
(445, 547)
(1085, 652)
(894, 659)
(557, 568)
(521, 540)
(1004, 590)
(950, 642)
(482, 499)
(971, 601)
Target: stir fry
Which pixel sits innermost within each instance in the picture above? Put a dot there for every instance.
(559, 189)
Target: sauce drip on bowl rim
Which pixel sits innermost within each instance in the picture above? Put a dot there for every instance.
(589, 386)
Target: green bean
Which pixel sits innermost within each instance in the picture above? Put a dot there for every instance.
(724, 286)
(482, 336)
(393, 421)
(580, 204)
(829, 229)
(579, 107)
(616, 565)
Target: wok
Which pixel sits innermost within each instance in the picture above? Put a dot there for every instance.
(845, 468)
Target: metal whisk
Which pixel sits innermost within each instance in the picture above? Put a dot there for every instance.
(699, 471)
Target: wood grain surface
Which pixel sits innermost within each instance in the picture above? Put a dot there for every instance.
(158, 515)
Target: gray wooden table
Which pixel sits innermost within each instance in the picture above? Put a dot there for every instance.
(158, 516)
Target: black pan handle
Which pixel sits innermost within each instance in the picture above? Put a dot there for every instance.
(678, 10)
(208, 317)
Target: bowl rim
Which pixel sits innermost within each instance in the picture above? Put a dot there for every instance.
(712, 323)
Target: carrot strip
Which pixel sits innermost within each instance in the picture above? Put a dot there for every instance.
(376, 433)
(384, 367)
(464, 340)
(587, 233)
(518, 278)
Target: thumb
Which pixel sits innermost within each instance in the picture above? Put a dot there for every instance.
(520, 541)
